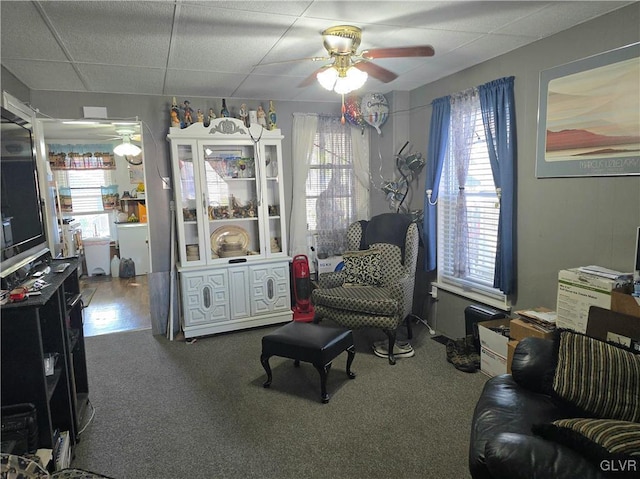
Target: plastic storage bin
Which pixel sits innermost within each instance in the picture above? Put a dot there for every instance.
(96, 251)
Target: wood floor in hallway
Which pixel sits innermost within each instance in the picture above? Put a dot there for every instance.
(118, 304)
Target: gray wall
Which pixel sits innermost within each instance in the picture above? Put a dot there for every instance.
(561, 222)
(14, 86)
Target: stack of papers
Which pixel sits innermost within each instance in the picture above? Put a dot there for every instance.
(541, 318)
(605, 272)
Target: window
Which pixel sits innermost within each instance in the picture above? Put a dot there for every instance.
(468, 213)
(86, 198)
(331, 192)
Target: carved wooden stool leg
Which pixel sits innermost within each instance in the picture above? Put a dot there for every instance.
(265, 364)
(324, 371)
(351, 351)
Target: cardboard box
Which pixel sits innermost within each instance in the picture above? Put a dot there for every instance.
(623, 302)
(327, 265)
(493, 347)
(577, 292)
(511, 348)
(521, 329)
(616, 327)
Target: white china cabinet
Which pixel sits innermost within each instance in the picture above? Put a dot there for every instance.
(229, 204)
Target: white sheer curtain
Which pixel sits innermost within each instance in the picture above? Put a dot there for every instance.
(464, 106)
(360, 145)
(305, 128)
(340, 178)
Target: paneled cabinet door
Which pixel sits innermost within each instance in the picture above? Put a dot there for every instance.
(205, 296)
(270, 288)
(239, 290)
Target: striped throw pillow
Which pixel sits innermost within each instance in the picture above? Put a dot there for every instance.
(598, 377)
(594, 438)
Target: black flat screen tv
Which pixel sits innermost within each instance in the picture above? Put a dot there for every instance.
(23, 237)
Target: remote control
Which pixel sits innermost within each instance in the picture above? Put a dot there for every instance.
(61, 267)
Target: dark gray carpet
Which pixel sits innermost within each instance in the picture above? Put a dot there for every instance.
(175, 410)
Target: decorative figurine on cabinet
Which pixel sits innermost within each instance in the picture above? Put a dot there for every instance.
(188, 113)
(244, 116)
(212, 115)
(262, 117)
(224, 112)
(272, 116)
(175, 120)
(175, 113)
(200, 116)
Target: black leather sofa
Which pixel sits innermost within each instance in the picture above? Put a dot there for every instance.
(502, 442)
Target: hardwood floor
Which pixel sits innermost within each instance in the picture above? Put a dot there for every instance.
(118, 304)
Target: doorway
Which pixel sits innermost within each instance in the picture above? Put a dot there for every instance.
(113, 304)
(96, 204)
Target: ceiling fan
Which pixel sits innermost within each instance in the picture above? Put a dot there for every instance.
(349, 69)
(126, 148)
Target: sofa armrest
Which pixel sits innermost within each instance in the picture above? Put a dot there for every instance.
(534, 364)
(518, 456)
(333, 279)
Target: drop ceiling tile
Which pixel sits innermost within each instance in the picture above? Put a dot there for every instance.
(43, 75)
(205, 37)
(187, 83)
(284, 8)
(558, 16)
(29, 38)
(123, 79)
(121, 33)
(390, 13)
(469, 16)
(267, 87)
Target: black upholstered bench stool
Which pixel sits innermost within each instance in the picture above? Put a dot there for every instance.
(310, 343)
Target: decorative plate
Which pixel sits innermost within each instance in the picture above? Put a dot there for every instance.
(227, 239)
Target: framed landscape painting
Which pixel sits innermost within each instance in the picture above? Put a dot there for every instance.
(589, 116)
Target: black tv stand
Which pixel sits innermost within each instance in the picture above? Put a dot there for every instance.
(48, 323)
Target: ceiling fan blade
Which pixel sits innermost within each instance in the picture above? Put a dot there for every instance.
(376, 71)
(416, 51)
(312, 78)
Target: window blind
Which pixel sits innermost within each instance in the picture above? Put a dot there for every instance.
(482, 208)
(85, 187)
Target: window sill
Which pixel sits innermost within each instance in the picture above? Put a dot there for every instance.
(475, 295)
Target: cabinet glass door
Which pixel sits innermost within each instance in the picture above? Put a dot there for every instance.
(191, 244)
(231, 192)
(273, 197)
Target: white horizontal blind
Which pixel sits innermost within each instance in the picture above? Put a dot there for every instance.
(85, 186)
(482, 216)
(332, 159)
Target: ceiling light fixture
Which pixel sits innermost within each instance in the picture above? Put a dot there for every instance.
(342, 77)
(126, 148)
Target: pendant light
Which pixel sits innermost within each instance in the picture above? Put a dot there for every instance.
(126, 148)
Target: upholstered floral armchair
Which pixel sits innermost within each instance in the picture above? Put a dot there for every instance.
(375, 287)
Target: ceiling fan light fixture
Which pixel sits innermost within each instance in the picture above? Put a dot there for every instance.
(126, 148)
(327, 78)
(353, 80)
(342, 83)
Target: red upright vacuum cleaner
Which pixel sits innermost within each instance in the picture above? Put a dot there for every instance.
(302, 309)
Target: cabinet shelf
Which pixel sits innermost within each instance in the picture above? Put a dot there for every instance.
(52, 382)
